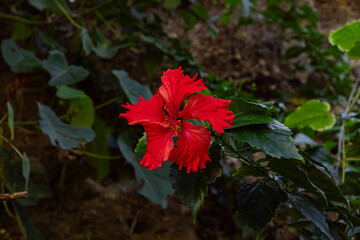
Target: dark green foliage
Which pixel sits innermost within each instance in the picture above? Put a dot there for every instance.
(257, 203)
(193, 187)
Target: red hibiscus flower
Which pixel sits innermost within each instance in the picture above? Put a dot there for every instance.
(162, 119)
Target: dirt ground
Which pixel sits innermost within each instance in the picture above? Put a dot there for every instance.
(112, 209)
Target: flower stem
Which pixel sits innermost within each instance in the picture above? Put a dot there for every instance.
(67, 14)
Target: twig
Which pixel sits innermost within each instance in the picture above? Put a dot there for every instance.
(9, 196)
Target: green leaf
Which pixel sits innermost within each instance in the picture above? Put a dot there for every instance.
(66, 92)
(132, 88)
(86, 41)
(308, 208)
(293, 52)
(226, 17)
(249, 113)
(10, 119)
(61, 73)
(189, 19)
(103, 47)
(193, 187)
(273, 139)
(200, 10)
(232, 3)
(21, 31)
(292, 171)
(82, 112)
(354, 52)
(52, 6)
(18, 59)
(26, 170)
(141, 145)
(52, 43)
(332, 192)
(346, 36)
(314, 114)
(257, 203)
(100, 147)
(67, 136)
(171, 3)
(156, 182)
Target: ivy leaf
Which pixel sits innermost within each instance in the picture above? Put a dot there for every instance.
(10, 119)
(67, 136)
(66, 92)
(61, 73)
(308, 208)
(132, 88)
(52, 6)
(26, 170)
(248, 113)
(82, 112)
(156, 182)
(99, 146)
(18, 59)
(257, 203)
(52, 43)
(273, 139)
(192, 187)
(103, 47)
(86, 41)
(314, 114)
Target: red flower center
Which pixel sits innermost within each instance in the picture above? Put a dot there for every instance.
(173, 123)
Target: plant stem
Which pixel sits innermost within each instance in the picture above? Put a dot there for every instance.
(24, 20)
(3, 118)
(67, 15)
(98, 14)
(105, 103)
(94, 155)
(12, 146)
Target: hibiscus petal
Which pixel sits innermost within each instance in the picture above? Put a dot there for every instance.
(159, 145)
(145, 112)
(207, 108)
(176, 87)
(192, 147)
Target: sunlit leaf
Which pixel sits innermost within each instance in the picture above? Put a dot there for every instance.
(67, 136)
(346, 36)
(62, 73)
(314, 114)
(18, 59)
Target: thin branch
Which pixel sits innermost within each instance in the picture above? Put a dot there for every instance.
(16, 195)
